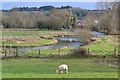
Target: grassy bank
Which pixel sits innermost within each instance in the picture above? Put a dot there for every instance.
(27, 32)
(45, 68)
(39, 42)
(103, 46)
(17, 37)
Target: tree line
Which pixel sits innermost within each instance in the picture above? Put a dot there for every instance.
(42, 8)
(48, 18)
(104, 19)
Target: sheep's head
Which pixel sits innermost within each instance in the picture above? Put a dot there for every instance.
(59, 71)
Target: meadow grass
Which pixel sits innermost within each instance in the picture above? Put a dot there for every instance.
(45, 68)
(38, 33)
(50, 52)
(70, 75)
(103, 47)
(36, 43)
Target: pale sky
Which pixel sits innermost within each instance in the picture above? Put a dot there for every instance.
(84, 5)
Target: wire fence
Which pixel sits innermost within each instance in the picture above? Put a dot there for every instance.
(14, 52)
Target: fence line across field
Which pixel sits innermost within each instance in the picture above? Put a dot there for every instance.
(18, 52)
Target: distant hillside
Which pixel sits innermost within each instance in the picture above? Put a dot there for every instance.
(42, 8)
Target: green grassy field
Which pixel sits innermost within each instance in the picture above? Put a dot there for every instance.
(45, 68)
(105, 45)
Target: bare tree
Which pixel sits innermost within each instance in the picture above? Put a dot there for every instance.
(109, 20)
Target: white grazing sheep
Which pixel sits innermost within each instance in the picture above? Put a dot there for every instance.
(62, 69)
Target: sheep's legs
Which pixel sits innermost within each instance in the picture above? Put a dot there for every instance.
(66, 71)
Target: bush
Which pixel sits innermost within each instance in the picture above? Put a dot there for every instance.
(81, 52)
(84, 34)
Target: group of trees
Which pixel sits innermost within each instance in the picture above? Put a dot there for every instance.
(80, 13)
(105, 19)
(47, 17)
(109, 20)
(35, 19)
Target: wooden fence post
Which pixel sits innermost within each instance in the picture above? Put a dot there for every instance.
(5, 49)
(88, 51)
(58, 51)
(3, 46)
(5, 52)
(16, 52)
(10, 49)
(115, 50)
(39, 53)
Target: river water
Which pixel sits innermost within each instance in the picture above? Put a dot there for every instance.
(65, 41)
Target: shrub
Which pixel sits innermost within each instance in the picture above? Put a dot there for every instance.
(81, 52)
(84, 34)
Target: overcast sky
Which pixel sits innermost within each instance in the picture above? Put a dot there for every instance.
(84, 5)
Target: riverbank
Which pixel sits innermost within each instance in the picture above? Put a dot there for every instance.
(26, 37)
(104, 45)
(36, 33)
(27, 41)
